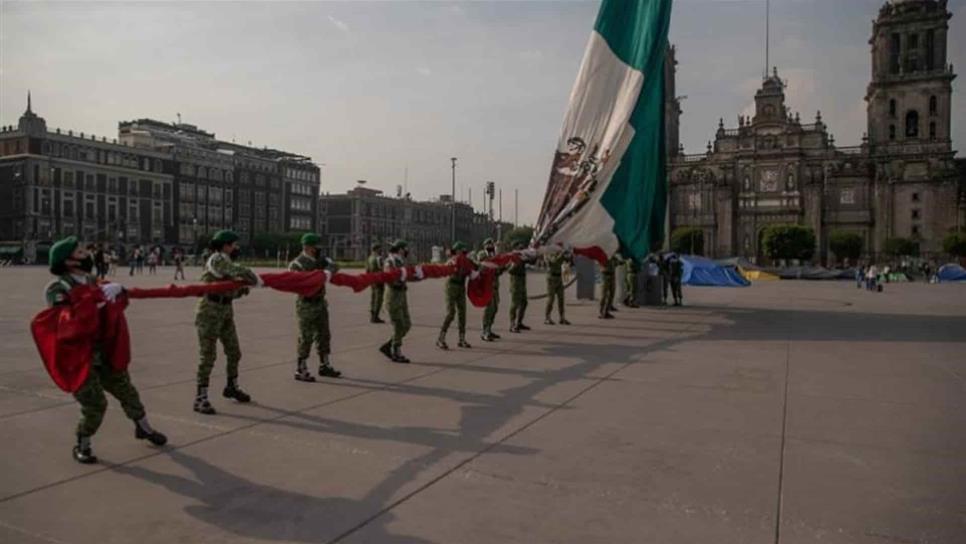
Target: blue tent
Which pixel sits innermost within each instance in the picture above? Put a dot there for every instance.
(705, 272)
(951, 272)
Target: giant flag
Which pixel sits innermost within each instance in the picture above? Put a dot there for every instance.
(607, 185)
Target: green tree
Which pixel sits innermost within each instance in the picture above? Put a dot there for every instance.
(900, 247)
(846, 245)
(955, 244)
(518, 234)
(789, 242)
(271, 242)
(688, 241)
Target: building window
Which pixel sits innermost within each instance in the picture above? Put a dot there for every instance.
(895, 48)
(912, 124)
(892, 107)
(915, 197)
(915, 214)
(933, 105)
(932, 130)
(847, 196)
(915, 230)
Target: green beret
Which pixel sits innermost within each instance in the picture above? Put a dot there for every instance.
(224, 237)
(398, 244)
(459, 246)
(311, 239)
(488, 242)
(375, 246)
(60, 251)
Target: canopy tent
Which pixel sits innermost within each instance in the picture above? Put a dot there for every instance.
(700, 271)
(758, 275)
(951, 272)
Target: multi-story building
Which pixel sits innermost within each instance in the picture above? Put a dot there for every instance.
(57, 183)
(352, 222)
(901, 182)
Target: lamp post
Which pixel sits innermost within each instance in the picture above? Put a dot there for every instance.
(194, 231)
(453, 204)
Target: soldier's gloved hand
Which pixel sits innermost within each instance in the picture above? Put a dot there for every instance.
(111, 290)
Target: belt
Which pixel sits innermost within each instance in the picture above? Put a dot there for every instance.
(219, 299)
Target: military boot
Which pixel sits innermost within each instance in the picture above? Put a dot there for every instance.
(326, 370)
(564, 321)
(397, 355)
(494, 335)
(522, 327)
(441, 341)
(302, 373)
(232, 391)
(463, 343)
(82, 451)
(386, 349)
(202, 406)
(143, 431)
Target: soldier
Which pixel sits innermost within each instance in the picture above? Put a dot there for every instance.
(630, 282)
(313, 313)
(555, 287)
(518, 291)
(374, 264)
(71, 263)
(676, 267)
(455, 299)
(608, 275)
(489, 313)
(215, 319)
(664, 266)
(396, 303)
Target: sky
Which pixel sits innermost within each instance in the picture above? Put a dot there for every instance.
(388, 91)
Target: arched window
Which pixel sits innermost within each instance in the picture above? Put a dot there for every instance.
(747, 183)
(892, 132)
(933, 105)
(892, 107)
(790, 182)
(912, 124)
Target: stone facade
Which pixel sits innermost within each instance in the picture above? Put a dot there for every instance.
(902, 181)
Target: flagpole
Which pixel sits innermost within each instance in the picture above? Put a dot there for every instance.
(767, 34)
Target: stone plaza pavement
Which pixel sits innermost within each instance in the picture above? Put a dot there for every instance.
(790, 412)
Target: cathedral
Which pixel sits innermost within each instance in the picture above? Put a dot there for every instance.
(902, 181)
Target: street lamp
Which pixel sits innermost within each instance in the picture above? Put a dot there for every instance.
(194, 230)
(452, 204)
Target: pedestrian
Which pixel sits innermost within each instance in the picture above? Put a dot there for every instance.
(632, 268)
(859, 275)
(178, 257)
(555, 286)
(215, 319)
(153, 261)
(72, 264)
(455, 292)
(140, 260)
(664, 266)
(313, 313)
(871, 275)
(132, 260)
(112, 262)
(100, 262)
(488, 251)
(396, 303)
(676, 269)
(518, 290)
(377, 290)
(608, 277)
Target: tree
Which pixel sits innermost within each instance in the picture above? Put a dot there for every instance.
(518, 234)
(955, 244)
(688, 241)
(846, 245)
(900, 247)
(271, 242)
(789, 242)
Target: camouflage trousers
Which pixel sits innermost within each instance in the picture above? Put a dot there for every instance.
(313, 317)
(93, 402)
(676, 289)
(375, 299)
(518, 299)
(555, 292)
(398, 309)
(455, 307)
(630, 283)
(489, 313)
(607, 290)
(216, 322)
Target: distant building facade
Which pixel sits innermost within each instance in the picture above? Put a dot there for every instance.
(352, 222)
(903, 181)
(158, 183)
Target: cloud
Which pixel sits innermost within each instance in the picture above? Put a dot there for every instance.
(424, 71)
(532, 55)
(340, 24)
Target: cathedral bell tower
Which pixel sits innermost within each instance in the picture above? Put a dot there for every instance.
(909, 98)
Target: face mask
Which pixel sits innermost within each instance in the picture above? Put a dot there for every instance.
(86, 264)
(235, 253)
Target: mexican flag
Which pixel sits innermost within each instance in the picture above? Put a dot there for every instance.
(607, 186)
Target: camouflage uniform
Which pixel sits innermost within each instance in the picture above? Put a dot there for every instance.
(215, 321)
(455, 290)
(555, 287)
(608, 283)
(398, 308)
(102, 377)
(378, 290)
(489, 313)
(313, 317)
(630, 281)
(518, 295)
(676, 268)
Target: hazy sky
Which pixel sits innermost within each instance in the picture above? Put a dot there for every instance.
(371, 88)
